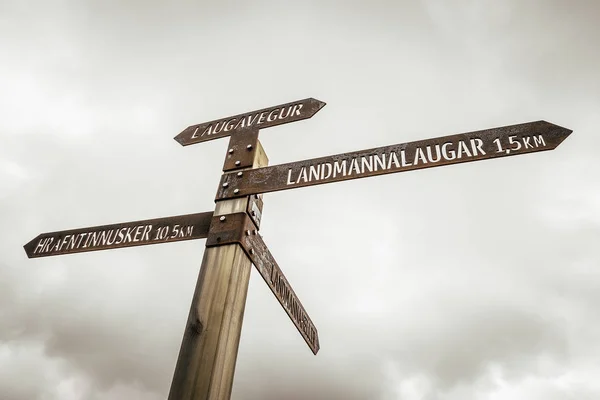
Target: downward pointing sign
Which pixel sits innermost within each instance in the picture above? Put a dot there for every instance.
(265, 118)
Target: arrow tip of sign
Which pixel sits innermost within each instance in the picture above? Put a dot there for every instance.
(559, 133)
(564, 131)
(567, 131)
(181, 137)
(29, 247)
(320, 104)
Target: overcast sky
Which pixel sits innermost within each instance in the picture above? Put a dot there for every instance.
(476, 281)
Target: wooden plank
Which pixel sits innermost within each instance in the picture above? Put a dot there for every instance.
(206, 363)
(126, 234)
(259, 119)
(239, 228)
(268, 268)
(472, 146)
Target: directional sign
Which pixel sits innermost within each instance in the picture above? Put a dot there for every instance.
(137, 233)
(239, 228)
(265, 118)
(267, 266)
(480, 145)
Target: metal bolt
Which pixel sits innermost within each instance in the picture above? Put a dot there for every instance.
(251, 251)
(248, 232)
(238, 162)
(240, 173)
(222, 218)
(225, 184)
(230, 151)
(249, 147)
(254, 232)
(236, 191)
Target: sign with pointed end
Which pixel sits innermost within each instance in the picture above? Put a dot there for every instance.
(137, 233)
(265, 118)
(239, 228)
(472, 146)
(268, 268)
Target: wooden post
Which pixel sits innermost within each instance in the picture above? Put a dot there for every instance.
(206, 362)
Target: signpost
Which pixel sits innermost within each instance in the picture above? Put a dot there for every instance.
(491, 143)
(206, 362)
(137, 233)
(259, 119)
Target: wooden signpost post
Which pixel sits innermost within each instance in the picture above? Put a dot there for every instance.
(206, 363)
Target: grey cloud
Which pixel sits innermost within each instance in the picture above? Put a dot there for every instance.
(422, 284)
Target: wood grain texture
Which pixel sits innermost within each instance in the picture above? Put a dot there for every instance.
(206, 363)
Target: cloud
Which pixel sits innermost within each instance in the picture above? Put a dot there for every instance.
(447, 284)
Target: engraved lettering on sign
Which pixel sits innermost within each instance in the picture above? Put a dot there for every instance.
(288, 299)
(339, 168)
(249, 120)
(103, 238)
(410, 156)
(512, 144)
(441, 151)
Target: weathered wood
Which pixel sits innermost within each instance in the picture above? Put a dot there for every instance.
(259, 119)
(239, 228)
(126, 234)
(207, 358)
(446, 150)
(273, 276)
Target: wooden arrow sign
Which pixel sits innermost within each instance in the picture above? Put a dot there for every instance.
(472, 146)
(137, 233)
(266, 265)
(239, 228)
(265, 118)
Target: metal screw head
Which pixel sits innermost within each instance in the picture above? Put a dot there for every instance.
(249, 147)
(240, 173)
(254, 232)
(238, 162)
(248, 232)
(222, 218)
(225, 184)
(251, 251)
(230, 151)
(236, 191)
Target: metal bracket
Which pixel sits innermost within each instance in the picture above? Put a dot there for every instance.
(254, 209)
(241, 150)
(233, 228)
(229, 229)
